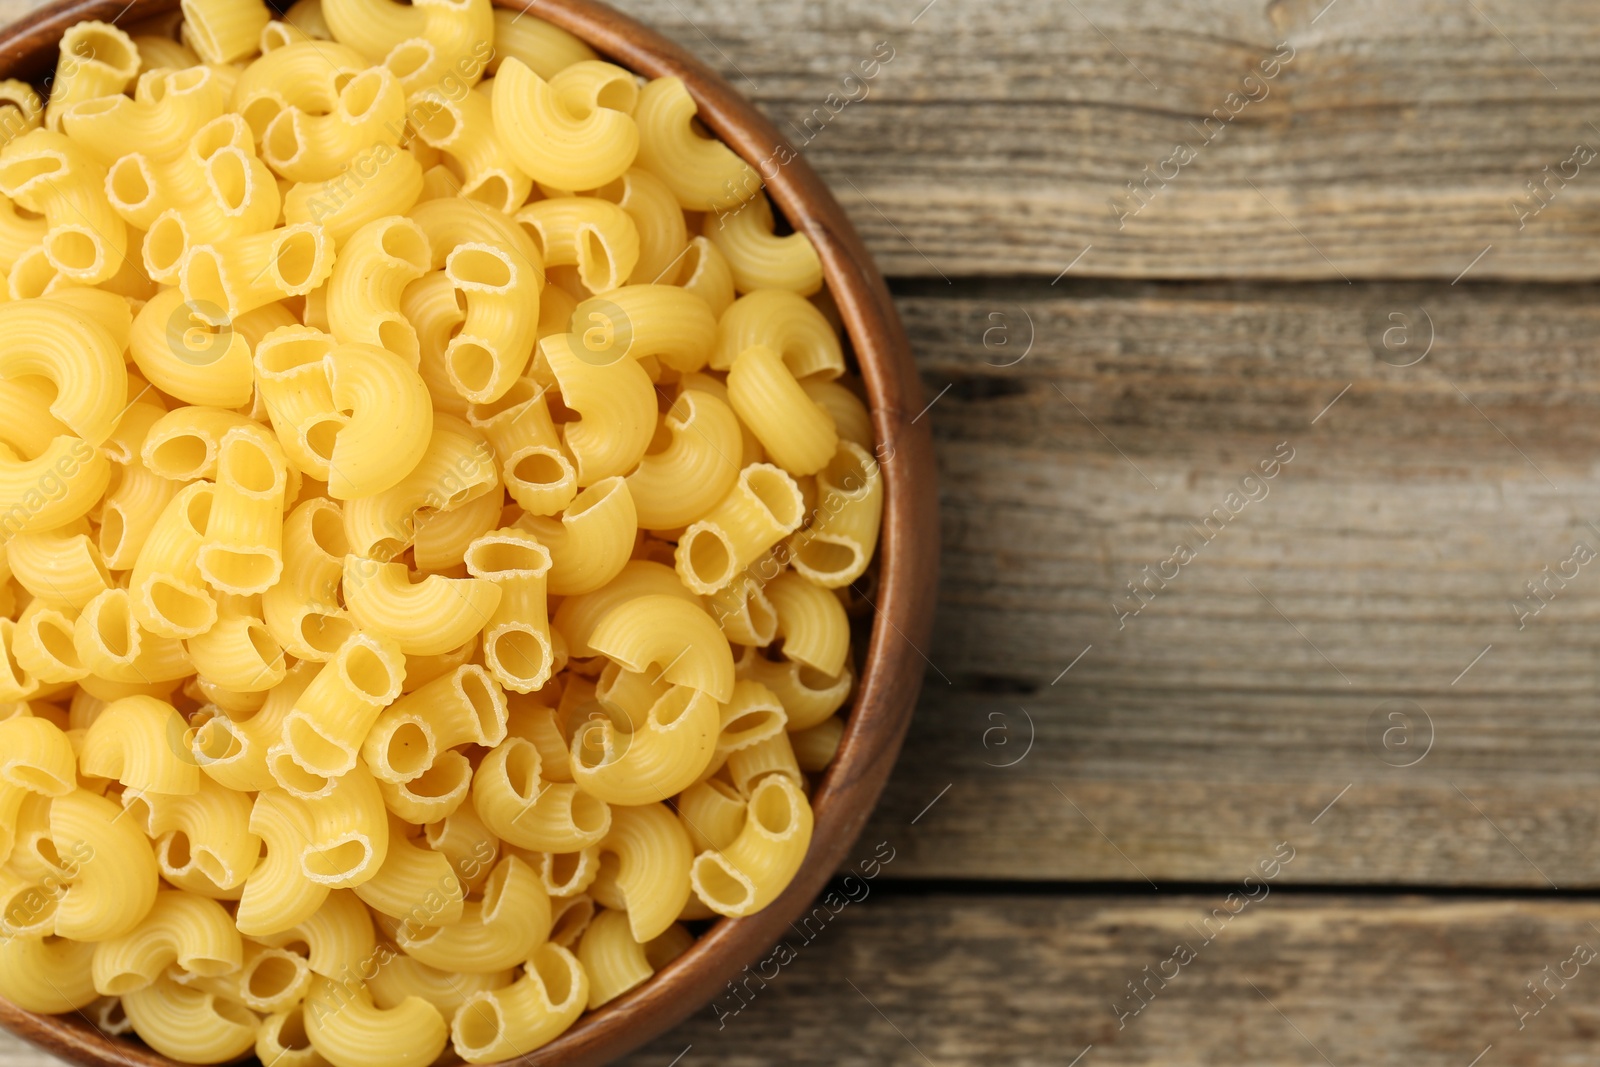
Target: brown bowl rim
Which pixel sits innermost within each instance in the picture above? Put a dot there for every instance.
(891, 673)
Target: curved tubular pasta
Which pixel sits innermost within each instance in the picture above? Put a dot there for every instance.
(505, 1023)
(457, 465)
(616, 406)
(442, 537)
(537, 724)
(159, 120)
(517, 806)
(190, 1024)
(704, 174)
(414, 883)
(96, 59)
(758, 258)
(815, 747)
(496, 340)
(705, 273)
(43, 645)
(683, 481)
(797, 433)
(426, 618)
(182, 929)
(572, 918)
(592, 541)
(292, 379)
(243, 549)
(835, 548)
(222, 281)
(420, 670)
(535, 468)
(364, 293)
(115, 648)
(116, 886)
(786, 323)
(264, 86)
(712, 813)
(403, 977)
(138, 740)
(465, 707)
(273, 979)
(383, 180)
(302, 612)
(156, 52)
(433, 308)
(348, 1030)
(76, 354)
(654, 757)
(669, 631)
(239, 653)
(324, 732)
(516, 639)
(544, 47)
(37, 756)
(754, 715)
(850, 415)
(350, 833)
(456, 221)
(770, 756)
(751, 872)
(168, 590)
(218, 192)
(46, 974)
(214, 824)
(223, 31)
(494, 933)
(566, 874)
(179, 353)
(21, 109)
(762, 507)
(595, 235)
(557, 143)
(812, 623)
(387, 432)
(19, 234)
(331, 118)
(184, 443)
(577, 616)
(277, 895)
(339, 936)
(59, 568)
(640, 321)
(651, 876)
(57, 487)
(658, 220)
(743, 609)
(613, 960)
(85, 239)
(808, 697)
(461, 125)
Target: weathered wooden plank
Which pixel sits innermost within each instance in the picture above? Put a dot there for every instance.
(1383, 559)
(1034, 980)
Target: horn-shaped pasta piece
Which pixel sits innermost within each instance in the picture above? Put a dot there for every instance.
(369, 278)
(347, 1029)
(169, 593)
(190, 1024)
(415, 884)
(578, 616)
(785, 322)
(520, 807)
(616, 963)
(37, 756)
(616, 405)
(76, 354)
(758, 258)
(704, 174)
(214, 826)
(650, 877)
(96, 59)
(117, 879)
(748, 874)
(812, 623)
(591, 542)
(567, 142)
(423, 618)
(513, 1021)
(85, 240)
(457, 466)
(330, 720)
(587, 232)
(641, 759)
(46, 974)
(808, 697)
(638, 322)
(533, 464)
(302, 610)
(350, 833)
(797, 433)
(461, 125)
(115, 648)
(277, 895)
(182, 354)
(331, 118)
(382, 180)
(184, 930)
(664, 630)
(834, 549)
(516, 638)
(464, 707)
(225, 279)
(684, 480)
(494, 933)
(142, 743)
(762, 507)
(167, 109)
(243, 549)
(501, 291)
(223, 32)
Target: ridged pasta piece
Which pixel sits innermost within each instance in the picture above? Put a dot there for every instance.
(464, 707)
(788, 324)
(591, 542)
(750, 873)
(578, 615)
(595, 235)
(302, 611)
(79, 356)
(182, 930)
(139, 741)
(339, 938)
(415, 884)
(169, 594)
(567, 142)
(116, 885)
(513, 801)
(615, 962)
(757, 257)
(683, 480)
(423, 43)
(457, 465)
(364, 293)
(797, 433)
(214, 826)
(648, 879)
(836, 546)
(404, 977)
(641, 322)
(499, 931)
(116, 649)
(632, 760)
(544, 47)
(812, 623)
(243, 549)
(705, 175)
(436, 794)
(96, 59)
(223, 31)
(60, 567)
(37, 756)
(348, 1030)
(382, 180)
(191, 1025)
(182, 354)
(428, 617)
(461, 126)
(497, 337)
(763, 506)
(46, 974)
(277, 895)
(665, 630)
(516, 638)
(167, 109)
(330, 720)
(514, 1021)
(808, 697)
(47, 172)
(225, 279)
(534, 465)
(330, 118)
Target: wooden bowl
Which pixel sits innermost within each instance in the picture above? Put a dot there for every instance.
(891, 672)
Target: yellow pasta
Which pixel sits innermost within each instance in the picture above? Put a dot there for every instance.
(425, 501)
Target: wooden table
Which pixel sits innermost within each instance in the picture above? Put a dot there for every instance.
(1349, 664)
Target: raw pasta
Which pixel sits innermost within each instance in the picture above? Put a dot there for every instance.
(427, 497)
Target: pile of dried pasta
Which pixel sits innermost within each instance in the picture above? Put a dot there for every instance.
(430, 495)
